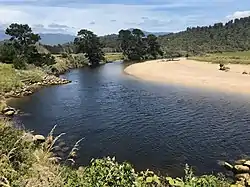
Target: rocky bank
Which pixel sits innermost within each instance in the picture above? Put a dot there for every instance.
(28, 89)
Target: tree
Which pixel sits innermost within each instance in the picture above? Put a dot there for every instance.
(22, 37)
(154, 47)
(132, 44)
(136, 46)
(21, 48)
(89, 44)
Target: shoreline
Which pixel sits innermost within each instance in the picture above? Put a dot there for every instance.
(26, 90)
(191, 73)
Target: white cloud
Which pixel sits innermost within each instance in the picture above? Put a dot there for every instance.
(170, 16)
(239, 14)
(126, 16)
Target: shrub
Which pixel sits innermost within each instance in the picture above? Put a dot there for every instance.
(107, 172)
(7, 53)
(19, 62)
(190, 180)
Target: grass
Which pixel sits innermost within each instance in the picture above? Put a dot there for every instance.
(12, 79)
(65, 62)
(241, 57)
(9, 79)
(25, 163)
(110, 57)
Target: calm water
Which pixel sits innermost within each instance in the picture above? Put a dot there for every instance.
(151, 125)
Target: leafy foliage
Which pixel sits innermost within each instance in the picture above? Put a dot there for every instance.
(136, 46)
(87, 42)
(21, 49)
(7, 53)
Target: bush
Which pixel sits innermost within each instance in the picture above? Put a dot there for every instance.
(107, 172)
(19, 62)
(7, 53)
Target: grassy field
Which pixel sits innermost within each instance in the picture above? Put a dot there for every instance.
(241, 57)
(113, 56)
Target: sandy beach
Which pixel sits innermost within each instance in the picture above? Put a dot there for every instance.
(193, 73)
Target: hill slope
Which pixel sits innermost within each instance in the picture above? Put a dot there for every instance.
(232, 36)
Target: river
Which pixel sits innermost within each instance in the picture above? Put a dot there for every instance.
(157, 126)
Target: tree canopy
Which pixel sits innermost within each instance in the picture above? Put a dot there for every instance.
(136, 46)
(21, 49)
(89, 44)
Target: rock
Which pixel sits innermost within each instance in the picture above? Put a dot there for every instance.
(244, 73)
(241, 168)
(39, 138)
(7, 109)
(247, 163)
(242, 176)
(228, 166)
(240, 161)
(9, 113)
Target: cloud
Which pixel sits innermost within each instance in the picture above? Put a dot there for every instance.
(69, 16)
(239, 14)
(55, 25)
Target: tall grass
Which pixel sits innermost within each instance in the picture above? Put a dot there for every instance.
(8, 78)
(65, 62)
(12, 79)
(110, 57)
(225, 58)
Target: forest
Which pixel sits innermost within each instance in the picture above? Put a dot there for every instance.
(231, 36)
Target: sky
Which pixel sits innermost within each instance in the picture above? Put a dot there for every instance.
(109, 16)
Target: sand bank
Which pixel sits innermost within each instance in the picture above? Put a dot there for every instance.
(194, 73)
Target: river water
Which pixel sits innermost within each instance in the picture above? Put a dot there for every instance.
(157, 126)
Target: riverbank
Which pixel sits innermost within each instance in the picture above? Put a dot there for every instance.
(194, 73)
(28, 160)
(19, 83)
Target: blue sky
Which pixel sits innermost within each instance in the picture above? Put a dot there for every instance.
(109, 16)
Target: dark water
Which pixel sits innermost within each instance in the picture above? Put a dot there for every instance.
(155, 126)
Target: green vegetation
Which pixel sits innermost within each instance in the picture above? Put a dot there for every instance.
(110, 57)
(30, 163)
(21, 50)
(11, 79)
(136, 46)
(232, 36)
(241, 57)
(110, 43)
(65, 61)
(89, 44)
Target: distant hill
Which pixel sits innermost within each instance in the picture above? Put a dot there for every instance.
(155, 33)
(47, 38)
(219, 37)
(59, 38)
(54, 39)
